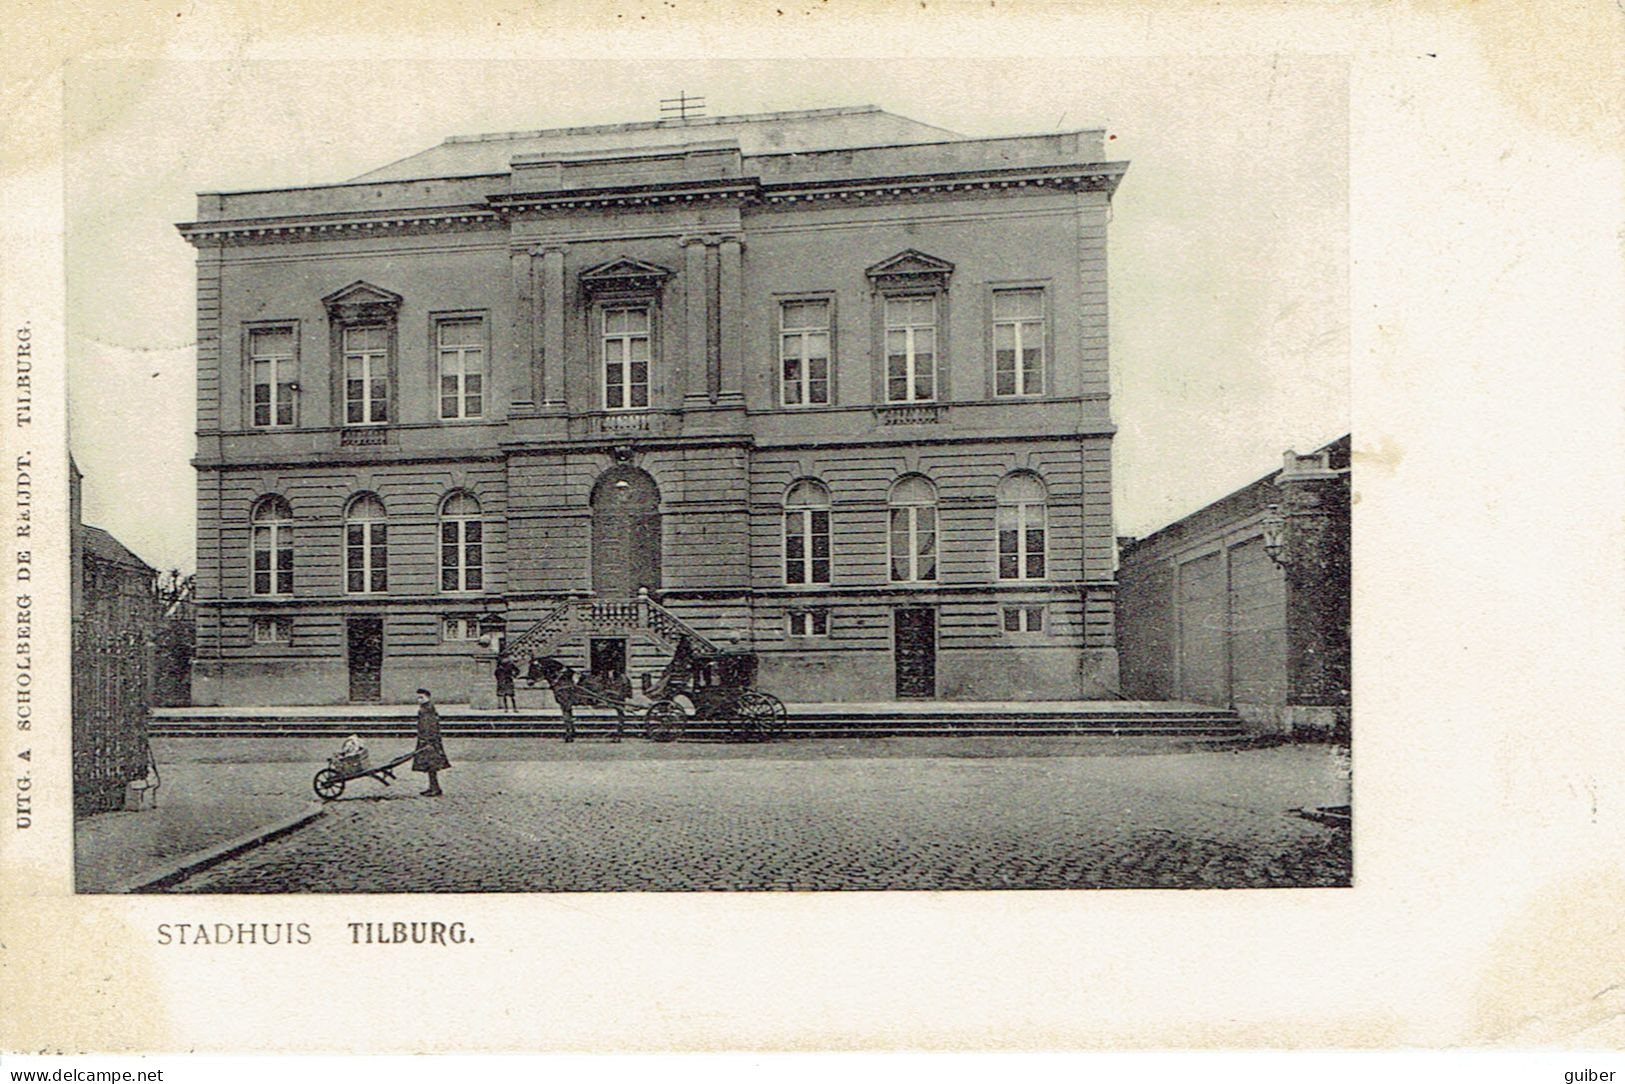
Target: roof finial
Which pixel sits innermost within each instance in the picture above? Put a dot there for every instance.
(681, 107)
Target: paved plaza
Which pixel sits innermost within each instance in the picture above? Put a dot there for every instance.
(871, 814)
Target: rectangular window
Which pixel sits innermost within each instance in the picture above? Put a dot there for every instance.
(1024, 619)
(626, 358)
(462, 555)
(806, 545)
(273, 559)
(366, 557)
(911, 349)
(913, 543)
(461, 345)
(804, 353)
(366, 375)
(1021, 542)
(272, 630)
(809, 622)
(1018, 342)
(274, 377)
(460, 629)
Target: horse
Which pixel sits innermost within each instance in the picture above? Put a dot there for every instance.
(570, 687)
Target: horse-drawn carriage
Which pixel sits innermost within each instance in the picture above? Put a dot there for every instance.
(692, 688)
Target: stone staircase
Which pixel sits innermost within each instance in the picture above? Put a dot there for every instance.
(607, 617)
(1106, 718)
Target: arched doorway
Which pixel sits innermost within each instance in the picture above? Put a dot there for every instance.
(625, 533)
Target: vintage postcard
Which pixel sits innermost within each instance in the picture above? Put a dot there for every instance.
(635, 529)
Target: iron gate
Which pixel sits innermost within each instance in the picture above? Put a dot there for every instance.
(112, 681)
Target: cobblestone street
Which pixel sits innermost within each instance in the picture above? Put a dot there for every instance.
(890, 814)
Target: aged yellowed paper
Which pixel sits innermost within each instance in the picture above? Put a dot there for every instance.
(1409, 221)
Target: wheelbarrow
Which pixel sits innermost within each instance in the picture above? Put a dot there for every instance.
(329, 782)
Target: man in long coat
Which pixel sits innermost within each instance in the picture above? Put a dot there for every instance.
(431, 755)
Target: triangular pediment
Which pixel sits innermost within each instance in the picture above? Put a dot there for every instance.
(624, 267)
(361, 295)
(911, 261)
(910, 268)
(624, 273)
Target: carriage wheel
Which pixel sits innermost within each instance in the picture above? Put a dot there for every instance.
(762, 714)
(663, 719)
(327, 784)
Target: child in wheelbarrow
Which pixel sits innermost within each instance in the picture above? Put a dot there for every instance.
(431, 755)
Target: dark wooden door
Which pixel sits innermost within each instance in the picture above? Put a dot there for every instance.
(366, 643)
(625, 533)
(915, 652)
(608, 656)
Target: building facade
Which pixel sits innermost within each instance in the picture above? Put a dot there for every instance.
(1245, 603)
(827, 386)
(115, 618)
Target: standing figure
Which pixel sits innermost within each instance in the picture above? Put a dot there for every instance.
(506, 672)
(430, 756)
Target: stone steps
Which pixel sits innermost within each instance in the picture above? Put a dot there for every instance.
(804, 721)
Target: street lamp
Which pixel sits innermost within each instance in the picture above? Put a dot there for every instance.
(1274, 525)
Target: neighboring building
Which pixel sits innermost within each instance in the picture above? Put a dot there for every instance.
(1245, 603)
(830, 386)
(174, 642)
(115, 617)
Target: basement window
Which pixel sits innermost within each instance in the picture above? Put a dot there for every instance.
(272, 630)
(1024, 619)
(809, 622)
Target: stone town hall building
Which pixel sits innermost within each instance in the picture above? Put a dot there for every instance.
(829, 386)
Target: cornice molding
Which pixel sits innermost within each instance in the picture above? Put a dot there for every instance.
(1093, 177)
(500, 208)
(304, 228)
(729, 188)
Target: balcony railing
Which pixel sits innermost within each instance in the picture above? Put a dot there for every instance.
(911, 413)
(364, 435)
(614, 423)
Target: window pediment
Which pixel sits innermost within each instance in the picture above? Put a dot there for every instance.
(362, 301)
(910, 268)
(624, 275)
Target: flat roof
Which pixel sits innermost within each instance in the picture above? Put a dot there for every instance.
(787, 131)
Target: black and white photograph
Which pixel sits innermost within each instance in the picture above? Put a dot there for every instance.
(705, 486)
(689, 529)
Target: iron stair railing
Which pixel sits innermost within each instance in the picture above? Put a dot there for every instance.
(589, 616)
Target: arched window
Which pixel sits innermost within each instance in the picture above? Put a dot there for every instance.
(462, 547)
(806, 533)
(913, 530)
(366, 546)
(272, 528)
(1023, 539)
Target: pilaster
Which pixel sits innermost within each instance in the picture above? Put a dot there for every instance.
(551, 298)
(1316, 510)
(522, 343)
(713, 325)
(696, 321)
(731, 320)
